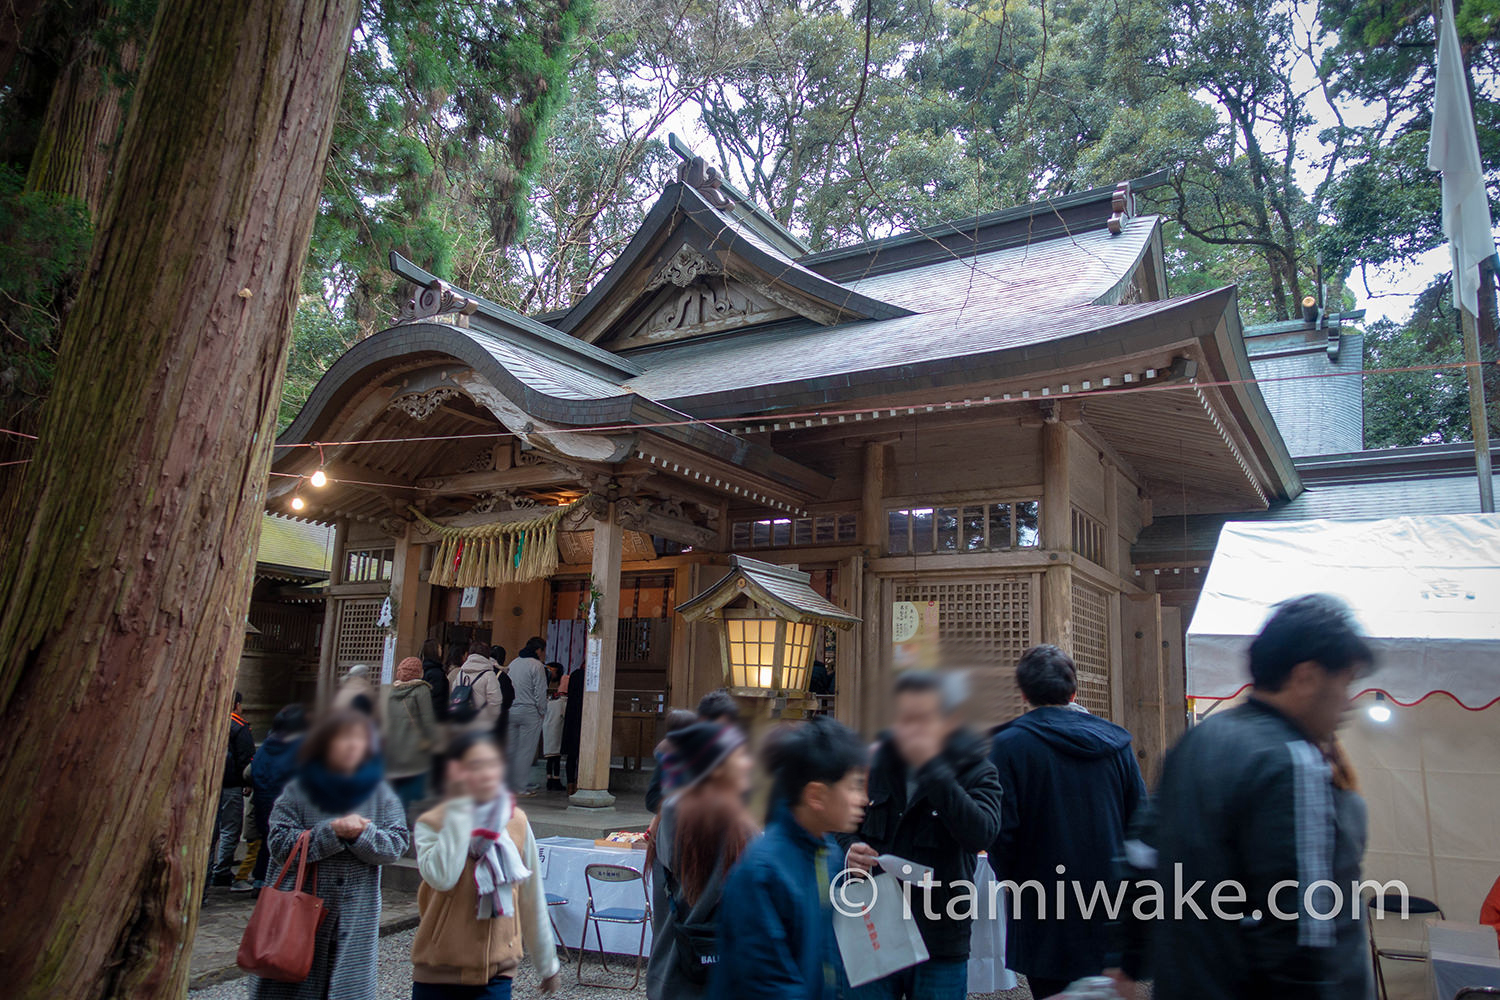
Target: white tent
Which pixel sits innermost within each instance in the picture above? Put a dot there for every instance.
(1427, 592)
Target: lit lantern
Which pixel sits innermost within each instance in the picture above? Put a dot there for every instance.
(768, 620)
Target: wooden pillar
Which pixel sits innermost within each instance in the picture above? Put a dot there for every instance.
(599, 669)
(413, 597)
(1112, 547)
(1143, 679)
(872, 522)
(1174, 674)
(851, 657)
(1057, 536)
(331, 618)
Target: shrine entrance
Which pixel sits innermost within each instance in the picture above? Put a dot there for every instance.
(643, 656)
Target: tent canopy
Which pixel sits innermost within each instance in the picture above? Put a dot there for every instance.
(1425, 589)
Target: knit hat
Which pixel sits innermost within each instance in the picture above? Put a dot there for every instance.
(409, 669)
(692, 754)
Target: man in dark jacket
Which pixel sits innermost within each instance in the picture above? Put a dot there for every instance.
(935, 801)
(230, 818)
(775, 929)
(275, 763)
(1259, 799)
(1071, 783)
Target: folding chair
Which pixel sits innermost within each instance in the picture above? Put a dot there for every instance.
(553, 899)
(1391, 902)
(615, 874)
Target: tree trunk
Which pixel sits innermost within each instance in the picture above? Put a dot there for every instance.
(75, 150)
(124, 586)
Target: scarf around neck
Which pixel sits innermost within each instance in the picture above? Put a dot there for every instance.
(340, 793)
(497, 861)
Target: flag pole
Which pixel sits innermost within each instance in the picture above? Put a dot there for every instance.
(1478, 419)
(1453, 149)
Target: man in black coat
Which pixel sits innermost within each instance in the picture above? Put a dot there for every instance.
(1071, 783)
(229, 819)
(934, 801)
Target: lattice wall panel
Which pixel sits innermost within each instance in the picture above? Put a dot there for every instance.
(984, 625)
(360, 640)
(1091, 646)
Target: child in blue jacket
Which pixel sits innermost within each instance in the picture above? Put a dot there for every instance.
(775, 934)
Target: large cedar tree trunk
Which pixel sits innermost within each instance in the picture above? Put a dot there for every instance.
(126, 576)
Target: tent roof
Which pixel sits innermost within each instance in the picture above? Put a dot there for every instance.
(1426, 589)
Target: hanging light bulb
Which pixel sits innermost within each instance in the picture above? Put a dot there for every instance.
(318, 479)
(1380, 711)
(297, 503)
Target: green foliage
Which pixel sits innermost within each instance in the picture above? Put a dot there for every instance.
(322, 336)
(44, 245)
(1417, 407)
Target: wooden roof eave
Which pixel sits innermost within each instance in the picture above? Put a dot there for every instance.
(725, 592)
(1247, 408)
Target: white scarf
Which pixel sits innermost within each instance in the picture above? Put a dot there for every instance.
(497, 861)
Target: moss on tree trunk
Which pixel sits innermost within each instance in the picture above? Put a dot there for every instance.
(126, 572)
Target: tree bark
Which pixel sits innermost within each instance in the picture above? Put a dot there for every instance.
(125, 579)
(76, 146)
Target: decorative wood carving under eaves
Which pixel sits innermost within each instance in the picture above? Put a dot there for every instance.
(421, 405)
(684, 266)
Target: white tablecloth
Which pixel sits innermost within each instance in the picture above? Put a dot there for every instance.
(1461, 955)
(563, 860)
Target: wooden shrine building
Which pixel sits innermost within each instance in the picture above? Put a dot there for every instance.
(985, 415)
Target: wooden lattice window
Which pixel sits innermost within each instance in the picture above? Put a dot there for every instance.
(369, 565)
(1091, 645)
(975, 527)
(984, 625)
(1088, 537)
(782, 532)
(360, 640)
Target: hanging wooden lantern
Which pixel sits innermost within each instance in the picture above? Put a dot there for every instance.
(768, 618)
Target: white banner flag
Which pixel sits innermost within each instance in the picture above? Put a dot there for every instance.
(1454, 150)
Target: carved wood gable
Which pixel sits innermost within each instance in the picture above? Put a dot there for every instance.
(690, 295)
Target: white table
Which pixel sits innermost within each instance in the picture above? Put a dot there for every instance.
(563, 861)
(1461, 955)
(564, 858)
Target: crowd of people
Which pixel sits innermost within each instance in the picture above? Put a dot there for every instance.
(1258, 795)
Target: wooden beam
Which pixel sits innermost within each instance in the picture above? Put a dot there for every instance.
(1057, 535)
(1174, 674)
(599, 669)
(520, 477)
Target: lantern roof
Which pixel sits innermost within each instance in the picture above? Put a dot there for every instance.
(780, 589)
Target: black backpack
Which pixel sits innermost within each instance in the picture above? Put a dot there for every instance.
(461, 707)
(697, 949)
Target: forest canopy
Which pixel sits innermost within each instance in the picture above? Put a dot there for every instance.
(513, 148)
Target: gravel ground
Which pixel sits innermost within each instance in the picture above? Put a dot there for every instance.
(395, 979)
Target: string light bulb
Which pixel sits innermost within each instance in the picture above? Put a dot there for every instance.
(1380, 711)
(319, 479)
(297, 503)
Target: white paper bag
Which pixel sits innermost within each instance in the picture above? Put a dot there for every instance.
(874, 940)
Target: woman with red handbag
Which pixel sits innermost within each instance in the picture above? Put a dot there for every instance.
(354, 824)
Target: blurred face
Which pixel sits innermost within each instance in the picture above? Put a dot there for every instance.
(921, 727)
(348, 749)
(734, 774)
(483, 771)
(840, 807)
(1327, 699)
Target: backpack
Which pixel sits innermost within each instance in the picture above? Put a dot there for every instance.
(461, 707)
(697, 950)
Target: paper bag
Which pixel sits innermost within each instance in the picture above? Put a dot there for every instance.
(875, 934)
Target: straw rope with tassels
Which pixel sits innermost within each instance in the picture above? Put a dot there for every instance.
(488, 555)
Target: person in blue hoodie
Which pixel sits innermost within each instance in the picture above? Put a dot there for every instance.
(274, 764)
(775, 925)
(1071, 783)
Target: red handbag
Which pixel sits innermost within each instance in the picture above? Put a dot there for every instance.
(282, 934)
